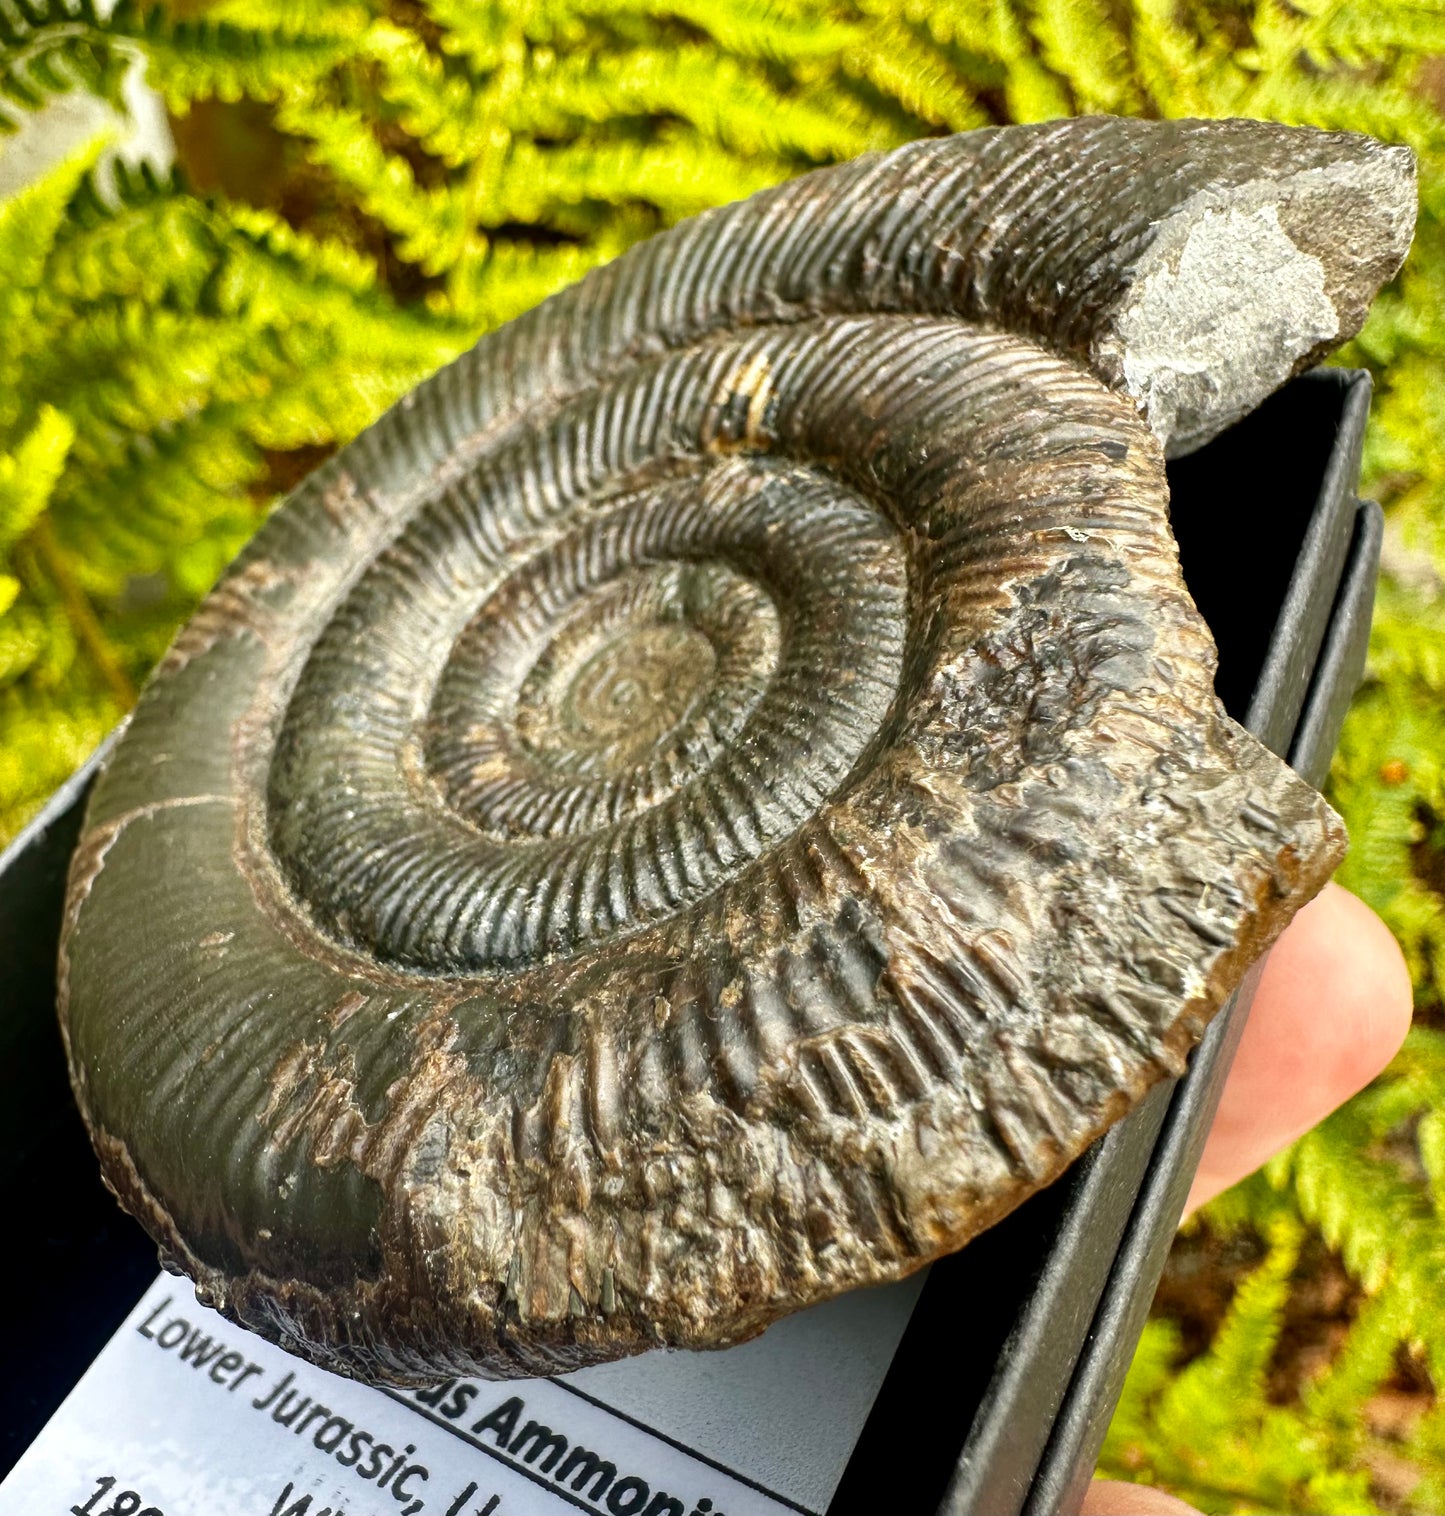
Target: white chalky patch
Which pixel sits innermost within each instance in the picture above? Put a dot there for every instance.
(1221, 322)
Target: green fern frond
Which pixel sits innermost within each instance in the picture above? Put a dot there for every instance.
(1031, 91)
(344, 142)
(679, 172)
(780, 31)
(1363, 1364)
(727, 100)
(513, 276)
(29, 225)
(1172, 67)
(908, 69)
(1198, 1402)
(50, 47)
(163, 346)
(1359, 32)
(48, 733)
(437, 106)
(1380, 1223)
(1080, 41)
(1209, 1430)
(28, 475)
(202, 58)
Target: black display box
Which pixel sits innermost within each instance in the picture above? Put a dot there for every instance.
(1004, 1382)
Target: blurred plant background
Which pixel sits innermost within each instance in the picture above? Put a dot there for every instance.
(364, 186)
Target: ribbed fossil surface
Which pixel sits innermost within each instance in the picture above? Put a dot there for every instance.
(719, 795)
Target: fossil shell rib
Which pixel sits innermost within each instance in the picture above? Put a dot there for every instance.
(718, 795)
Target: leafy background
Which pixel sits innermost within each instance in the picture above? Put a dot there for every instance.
(366, 185)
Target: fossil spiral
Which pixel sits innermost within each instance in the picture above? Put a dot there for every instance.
(718, 795)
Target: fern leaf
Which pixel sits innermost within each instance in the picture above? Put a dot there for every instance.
(905, 67)
(428, 223)
(1030, 90)
(204, 58)
(28, 475)
(1173, 68)
(1363, 1364)
(49, 47)
(1199, 1399)
(30, 221)
(435, 105)
(782, 31)
(513, 276)
(679, 173)
(1079, 41)
(728, 102)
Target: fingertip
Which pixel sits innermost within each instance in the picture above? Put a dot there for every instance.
(1339, 954)
(1111, 1497)
(1332, 1008)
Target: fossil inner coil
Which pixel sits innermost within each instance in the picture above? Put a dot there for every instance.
(595, 723)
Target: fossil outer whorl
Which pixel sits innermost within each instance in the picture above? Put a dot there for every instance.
(719, 795)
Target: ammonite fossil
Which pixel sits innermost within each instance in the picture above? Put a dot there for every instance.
(718, 795)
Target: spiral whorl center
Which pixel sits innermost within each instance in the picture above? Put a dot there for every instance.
(634, 690)
(573, 734)
(670, 658)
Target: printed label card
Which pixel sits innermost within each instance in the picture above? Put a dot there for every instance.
(183, 1414)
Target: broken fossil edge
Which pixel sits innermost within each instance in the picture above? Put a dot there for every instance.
(963, 852)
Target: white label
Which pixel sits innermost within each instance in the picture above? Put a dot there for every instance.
(183, 1414)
